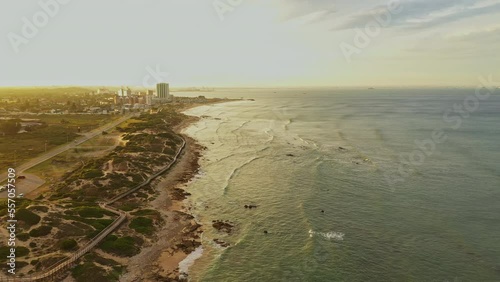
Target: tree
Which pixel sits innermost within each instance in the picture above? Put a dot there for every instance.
(10, 127)
(73, 107)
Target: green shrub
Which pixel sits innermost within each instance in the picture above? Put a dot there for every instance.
(22, 251)
(87, 212)
(70, 212)
(93, 173)
(27, 217)
(124, 246)
(142, 225)
(129, 206)
(68, 244)
(136, 178)
(23, 237)
(39, 208)
(21, 264)
(3, 208)
(146, 212)
(89, 272)
(40, 231)
(5, 251)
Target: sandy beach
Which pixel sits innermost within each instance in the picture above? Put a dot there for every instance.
(159, 261)
(180, 233)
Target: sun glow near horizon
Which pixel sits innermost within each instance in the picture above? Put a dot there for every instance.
(257, 43)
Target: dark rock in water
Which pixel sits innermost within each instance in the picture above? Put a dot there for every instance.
(265, 232)
(322, 211)
(290, 155)
(179, 194)
(221, 243)
(188, 246)
(246, 206)
(342, 148)
(250, 206)
(223, 226)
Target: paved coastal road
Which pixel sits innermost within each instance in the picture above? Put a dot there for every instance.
(56, 151)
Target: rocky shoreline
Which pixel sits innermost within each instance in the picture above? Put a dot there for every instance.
(180, 234)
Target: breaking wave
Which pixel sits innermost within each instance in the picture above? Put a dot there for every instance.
(337, 236)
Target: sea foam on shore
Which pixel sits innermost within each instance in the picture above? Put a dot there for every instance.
(185, 264)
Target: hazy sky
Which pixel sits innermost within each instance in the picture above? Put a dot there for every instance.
(252, 43)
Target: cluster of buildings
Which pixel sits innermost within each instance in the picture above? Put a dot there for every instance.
(105, 102)
(127, 99)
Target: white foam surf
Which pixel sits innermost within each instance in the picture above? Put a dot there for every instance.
(185, 264)
(337, 236)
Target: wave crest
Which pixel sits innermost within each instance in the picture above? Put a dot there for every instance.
(332, 235)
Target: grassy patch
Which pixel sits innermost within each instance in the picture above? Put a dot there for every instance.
(27, 217)
(129, 206)
(100, 260)
(20, 252)
(39, 208)
(124, 246)
(91, 174)
(40, 231)
(146, 212)
(142, 225)
(70, 230)
(97, 224)
(87, 212)
(68, 244)
(23, 236)
(3, 207)
(88, 271)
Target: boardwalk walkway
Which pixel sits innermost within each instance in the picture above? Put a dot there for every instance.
(58, 269)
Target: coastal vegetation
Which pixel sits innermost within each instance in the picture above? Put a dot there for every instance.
(142, 225)
(68, 212)
(28, 217)
(96, 268)
(68, 244)
(122, 246)
(40, 231)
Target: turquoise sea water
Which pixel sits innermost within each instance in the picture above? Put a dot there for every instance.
(343, 188)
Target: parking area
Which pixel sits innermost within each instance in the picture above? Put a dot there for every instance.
(29, 183)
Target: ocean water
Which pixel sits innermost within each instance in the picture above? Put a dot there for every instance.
(349, 185)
